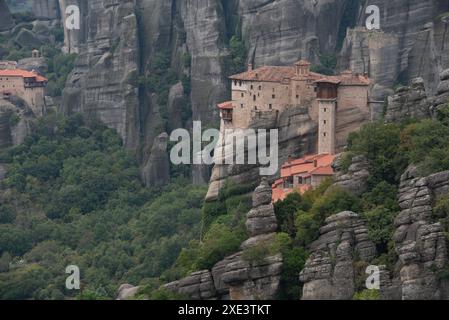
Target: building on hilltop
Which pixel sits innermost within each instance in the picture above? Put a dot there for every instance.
(303, 174)
(27, 85)
(339, 104)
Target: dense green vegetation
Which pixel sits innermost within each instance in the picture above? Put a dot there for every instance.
(327, 65)
(72, 196)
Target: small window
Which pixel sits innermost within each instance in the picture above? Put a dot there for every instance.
(254, 98)
(243, 95)
(252, 87)
(260, 87)
(270, 106)
(235, 82)
(297, 96)
(325, 121)
(240, 83)
(274, 89)
(273, 96)
(325, 134)
(255, 108)
(325, 109)
(242, 105)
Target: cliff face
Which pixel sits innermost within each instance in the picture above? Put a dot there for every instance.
(412, 43)
(236, 277)
(329, 273)
(6, 21)
(104, 82)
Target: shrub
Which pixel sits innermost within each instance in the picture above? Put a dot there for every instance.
(367, 295)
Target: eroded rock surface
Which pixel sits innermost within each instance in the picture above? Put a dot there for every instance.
(355, 180)
(235, 277)
(409, 102)
(329, 272)
(420, 243)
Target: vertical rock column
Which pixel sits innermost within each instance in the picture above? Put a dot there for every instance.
(420, 244)
(329, 272)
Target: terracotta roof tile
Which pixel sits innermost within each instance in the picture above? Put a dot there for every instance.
(226, 105)
(22, 73)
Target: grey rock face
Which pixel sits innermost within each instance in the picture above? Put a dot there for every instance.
(356, 179)
(28, 39)
(127, 291)
(14, 132)
(156, 171)
(329, 272)
(412, 43)
(46, 9)
(409, 102)
(420, 243)
(103, 83)
(297, 137)
(235, 277)
(442, 98)
(6, 21)
(281, 32)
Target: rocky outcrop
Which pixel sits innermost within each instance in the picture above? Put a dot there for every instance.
(329, 273)
(441, 100)
(282, 32)
(420, 243)
(297, 136)
(46, 9)
(104, 82)
(236, 277)
(409, 103)
(6, 20)
(16, 121)
(156, 171)
(412, 42)
(127, 291)
(355, 179)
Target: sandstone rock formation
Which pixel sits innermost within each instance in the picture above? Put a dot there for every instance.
(297, 137)
(442, 98)
(6, 20)
(412, 42)
(46, 9)
(127, 291)
(329, 272)
(420, 243)
(408, 102)
(104, 81)
(156, 171)
(16, 120)
(235, 277)
(282, 32)
(355, 180)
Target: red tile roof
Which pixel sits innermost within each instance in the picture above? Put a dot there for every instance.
(226, 105)
(312, 165)
(306, 165)
(272, 74)
(23, 74)
(281, 74)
